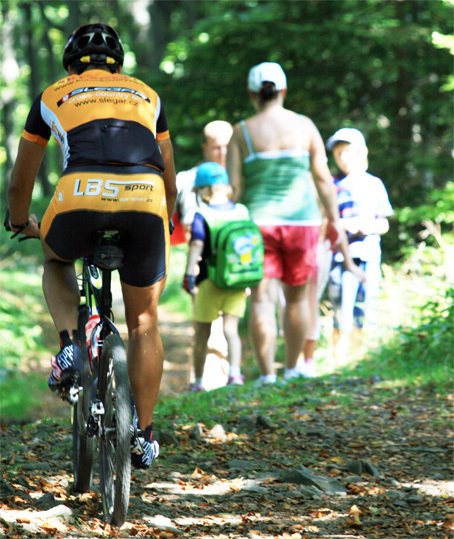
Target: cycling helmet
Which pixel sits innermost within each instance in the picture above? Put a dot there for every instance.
(97, 44)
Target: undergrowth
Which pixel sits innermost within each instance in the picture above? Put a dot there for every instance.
(414, 347)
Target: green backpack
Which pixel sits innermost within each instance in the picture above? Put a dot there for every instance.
(236, 260)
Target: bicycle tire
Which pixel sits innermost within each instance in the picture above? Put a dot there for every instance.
(115, 436)
(82, 443)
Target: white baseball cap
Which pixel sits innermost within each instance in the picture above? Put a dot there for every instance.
(346, 134)
(266, 72)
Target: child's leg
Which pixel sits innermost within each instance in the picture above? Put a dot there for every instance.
(233, 339)
(372, 291)
(350, 285)
(202, 333)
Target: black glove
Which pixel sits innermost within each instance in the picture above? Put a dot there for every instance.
(6, 222)
(189, 283)
(7, 225)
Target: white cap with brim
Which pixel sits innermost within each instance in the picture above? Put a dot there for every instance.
(266, 72)
(346, 134)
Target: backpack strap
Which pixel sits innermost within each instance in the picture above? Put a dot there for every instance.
(247, 138)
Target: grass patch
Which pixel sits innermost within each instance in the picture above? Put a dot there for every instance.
(21, 395)
(24, 319)
(174, 298)
(413, 349)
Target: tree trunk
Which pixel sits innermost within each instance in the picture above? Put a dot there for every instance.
(35, 89)
(10, 72)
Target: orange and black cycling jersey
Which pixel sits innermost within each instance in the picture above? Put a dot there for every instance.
(100, 118)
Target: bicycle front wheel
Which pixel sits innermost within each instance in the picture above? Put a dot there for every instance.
(82, 442)
(115, 436)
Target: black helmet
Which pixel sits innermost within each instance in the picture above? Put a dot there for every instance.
(97, 44)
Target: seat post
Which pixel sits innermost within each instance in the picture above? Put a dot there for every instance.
(106, 302)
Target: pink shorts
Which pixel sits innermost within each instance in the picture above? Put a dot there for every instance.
(290, 252)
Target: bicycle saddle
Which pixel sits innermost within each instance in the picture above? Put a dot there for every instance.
(107, 253)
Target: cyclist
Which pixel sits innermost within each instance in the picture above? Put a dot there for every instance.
(118, 173)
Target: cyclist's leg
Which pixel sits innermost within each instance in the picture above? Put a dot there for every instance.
(145, 352)
(60, 290)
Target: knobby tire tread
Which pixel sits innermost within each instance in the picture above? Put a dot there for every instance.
(82, 443)
(115, 458)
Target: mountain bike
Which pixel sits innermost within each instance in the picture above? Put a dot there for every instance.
(103, 413)
(104, 417)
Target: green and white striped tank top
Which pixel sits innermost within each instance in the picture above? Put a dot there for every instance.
(277, 189)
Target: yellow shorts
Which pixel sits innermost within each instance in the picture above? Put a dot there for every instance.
(210, 301)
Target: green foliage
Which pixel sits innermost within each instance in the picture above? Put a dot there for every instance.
(383, 67)
(421, 353)
(21, 308)
(431, 220)
(174, 298)
(20, 395)
(438, 208)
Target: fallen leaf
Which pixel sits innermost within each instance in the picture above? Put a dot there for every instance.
(448, 524)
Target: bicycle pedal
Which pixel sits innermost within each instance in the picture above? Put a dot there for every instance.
(69, 394)
(73, 395)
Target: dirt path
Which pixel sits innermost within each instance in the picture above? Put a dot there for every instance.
(382, 469)
(328, 472)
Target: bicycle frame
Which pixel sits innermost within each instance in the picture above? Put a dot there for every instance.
(104, 407)
(96, 289)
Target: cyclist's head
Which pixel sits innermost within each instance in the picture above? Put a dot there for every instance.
(93, 45)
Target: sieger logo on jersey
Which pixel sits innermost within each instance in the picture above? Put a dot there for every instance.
(97, 91)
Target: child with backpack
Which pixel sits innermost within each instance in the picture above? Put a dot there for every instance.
(227, 247)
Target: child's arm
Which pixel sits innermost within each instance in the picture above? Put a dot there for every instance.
(343, 248)
(195, 251)
(349, 265)
(359, 225)
(379, 225)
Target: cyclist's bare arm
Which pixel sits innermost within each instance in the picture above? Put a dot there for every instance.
(28, 161)
(169, 175)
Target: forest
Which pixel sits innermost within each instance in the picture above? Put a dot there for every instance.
(365, 449)
(382, 66)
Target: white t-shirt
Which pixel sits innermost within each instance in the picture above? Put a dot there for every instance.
(186, 203)
(362, 195)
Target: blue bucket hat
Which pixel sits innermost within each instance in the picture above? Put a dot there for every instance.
(210, 173)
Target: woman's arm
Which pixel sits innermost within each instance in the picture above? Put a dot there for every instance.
(235, 163)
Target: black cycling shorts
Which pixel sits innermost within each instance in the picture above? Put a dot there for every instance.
(85, 202)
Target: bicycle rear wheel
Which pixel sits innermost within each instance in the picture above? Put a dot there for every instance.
(82, 443)
(115, 436)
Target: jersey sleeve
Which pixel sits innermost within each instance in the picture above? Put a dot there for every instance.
(36, 130)
(162, 129)
(198, 231)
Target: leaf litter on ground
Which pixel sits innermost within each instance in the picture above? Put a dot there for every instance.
(311, 467)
